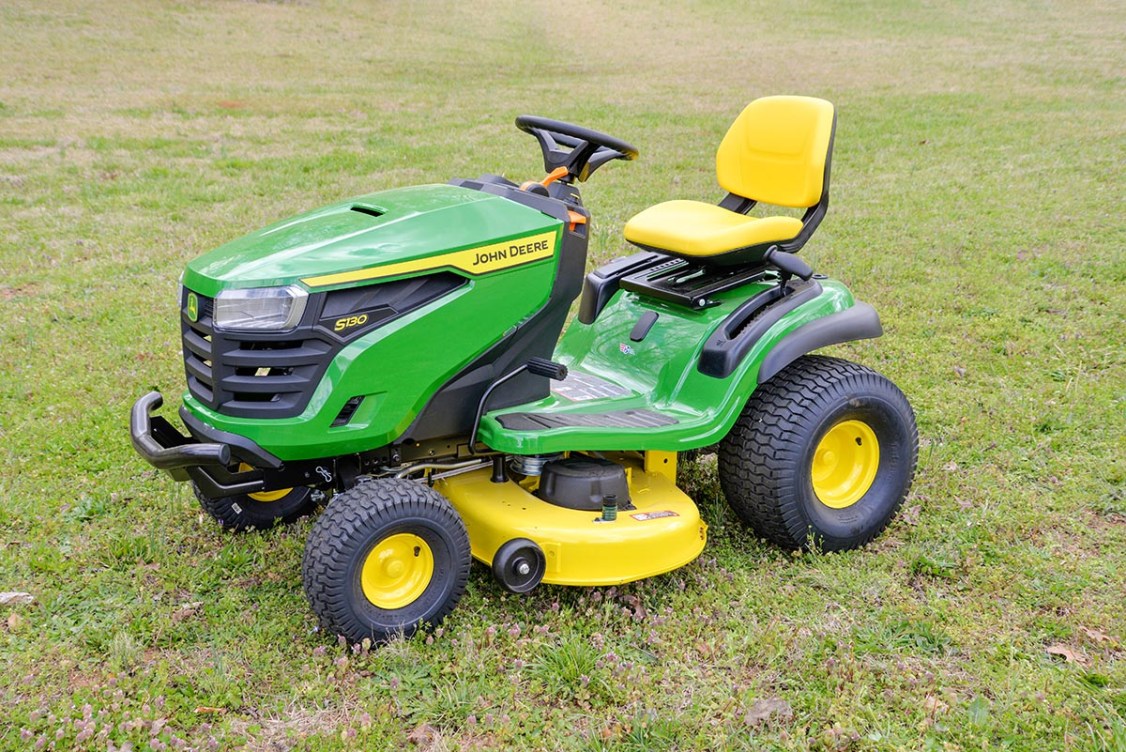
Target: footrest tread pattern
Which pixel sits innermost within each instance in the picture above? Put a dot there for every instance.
(617, 419)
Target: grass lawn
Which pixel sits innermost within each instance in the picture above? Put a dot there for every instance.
(978, 178)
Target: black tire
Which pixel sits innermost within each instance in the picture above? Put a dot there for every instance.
(345, 538)
(243, 512)
(766, 462)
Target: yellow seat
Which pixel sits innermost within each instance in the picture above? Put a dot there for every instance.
(693, 228)
(777, 152)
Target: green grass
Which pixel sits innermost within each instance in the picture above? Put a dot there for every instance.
(977, 184)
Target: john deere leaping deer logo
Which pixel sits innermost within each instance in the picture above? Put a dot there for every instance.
(193, 307)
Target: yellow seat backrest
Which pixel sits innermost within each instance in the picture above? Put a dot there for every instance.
(775, 151)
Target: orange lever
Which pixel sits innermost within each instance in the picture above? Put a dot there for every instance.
(576, 219)
(554, 175)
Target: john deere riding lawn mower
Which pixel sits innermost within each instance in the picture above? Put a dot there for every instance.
(398, 356)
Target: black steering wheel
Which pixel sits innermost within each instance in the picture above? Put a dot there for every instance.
(586, 150)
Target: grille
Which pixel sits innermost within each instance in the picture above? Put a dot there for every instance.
(252, 374)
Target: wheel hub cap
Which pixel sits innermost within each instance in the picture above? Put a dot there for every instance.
(396, 572)
(264, 496)
(845, 463)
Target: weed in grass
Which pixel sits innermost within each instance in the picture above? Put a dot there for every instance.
(929, 566)
(649, 732)
(124, 653)
(575, 671)
(449, 704)
(87, 508)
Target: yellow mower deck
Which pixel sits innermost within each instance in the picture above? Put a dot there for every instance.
(663, 533)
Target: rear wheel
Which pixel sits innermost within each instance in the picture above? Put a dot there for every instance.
(385, 558)
(822, 456)
(262, 510)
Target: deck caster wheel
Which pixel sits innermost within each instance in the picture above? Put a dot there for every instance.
(822, 456)
(519, 565)
(386, 558)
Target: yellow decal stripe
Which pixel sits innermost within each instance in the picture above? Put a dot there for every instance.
(480, 260)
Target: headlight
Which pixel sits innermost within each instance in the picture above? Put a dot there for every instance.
(260, 309)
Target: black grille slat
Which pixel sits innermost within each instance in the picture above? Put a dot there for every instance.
(201, 390)
(391, 298)
(265, 384)
(308, 355)
(200, 371)
(197, 344)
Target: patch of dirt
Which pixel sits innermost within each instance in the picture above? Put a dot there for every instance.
(19, 291)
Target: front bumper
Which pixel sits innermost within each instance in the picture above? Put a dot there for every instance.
(187, 458)
(164, 447)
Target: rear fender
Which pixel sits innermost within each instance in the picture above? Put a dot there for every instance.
(858, 322)
(832, 316)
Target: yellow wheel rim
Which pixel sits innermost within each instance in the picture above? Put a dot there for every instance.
(264, 496)
(396, 572)
(845, 463)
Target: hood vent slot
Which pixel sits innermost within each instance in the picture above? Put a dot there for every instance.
(368, 210)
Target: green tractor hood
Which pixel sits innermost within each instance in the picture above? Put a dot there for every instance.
(394, 227)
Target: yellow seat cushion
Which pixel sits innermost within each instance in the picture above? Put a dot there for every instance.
(696, 229)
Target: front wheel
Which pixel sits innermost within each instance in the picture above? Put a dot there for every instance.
(384, 559)
(261, 510)
(822, 456)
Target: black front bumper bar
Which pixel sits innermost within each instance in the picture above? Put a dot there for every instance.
(164, 447)
(205, 463)
(208, 457)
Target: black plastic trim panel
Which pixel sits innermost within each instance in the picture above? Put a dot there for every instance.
(451, 410)
(738, 333)
(859, 322)
(504, 188)
(601, 284)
